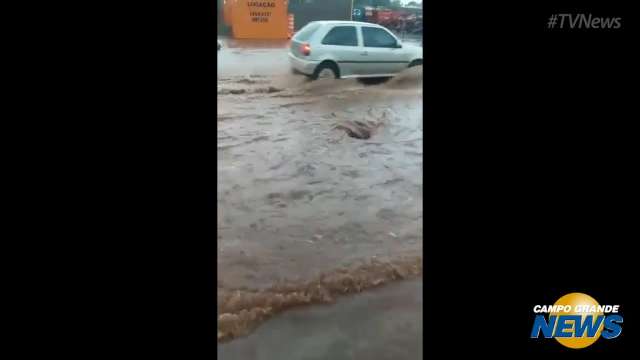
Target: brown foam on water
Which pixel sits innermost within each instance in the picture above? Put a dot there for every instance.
(239, 91)
(329, 86)
(409, 78)
(241, 311)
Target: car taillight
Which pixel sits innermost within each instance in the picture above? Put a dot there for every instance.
(305, 49)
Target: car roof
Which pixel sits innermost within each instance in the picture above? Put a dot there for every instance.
(345, 22)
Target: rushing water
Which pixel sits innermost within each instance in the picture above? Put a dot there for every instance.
(299, 198)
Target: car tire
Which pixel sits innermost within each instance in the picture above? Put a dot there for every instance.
(323, 69)
(415, 63)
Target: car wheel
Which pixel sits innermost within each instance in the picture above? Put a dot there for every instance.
(325, 71)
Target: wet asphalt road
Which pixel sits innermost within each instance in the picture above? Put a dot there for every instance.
(384, 324)
(241, 62)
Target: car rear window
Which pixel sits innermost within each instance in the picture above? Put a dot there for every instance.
(305, 33)
(376, 37)
(341, 35)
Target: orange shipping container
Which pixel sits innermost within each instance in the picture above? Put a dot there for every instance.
(227, 11)
(253, 19)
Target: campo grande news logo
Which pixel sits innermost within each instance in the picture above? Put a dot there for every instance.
(576, 320)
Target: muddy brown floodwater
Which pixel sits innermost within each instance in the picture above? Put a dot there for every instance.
(377, 325)
(307, 207)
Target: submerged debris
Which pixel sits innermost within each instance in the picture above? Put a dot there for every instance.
(358, 129)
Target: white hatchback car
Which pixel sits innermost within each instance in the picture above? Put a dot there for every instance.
(347, 49)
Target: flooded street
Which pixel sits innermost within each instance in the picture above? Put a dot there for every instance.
(319, 186)
(378, 325)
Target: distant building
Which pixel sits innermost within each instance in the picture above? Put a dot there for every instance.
(305, 11)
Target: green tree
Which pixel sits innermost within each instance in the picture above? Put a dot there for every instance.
(375, 3)
(395, 4)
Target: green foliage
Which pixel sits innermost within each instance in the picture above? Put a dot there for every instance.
(390, 4)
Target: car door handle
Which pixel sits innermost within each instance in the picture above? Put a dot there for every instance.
(364, 53)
